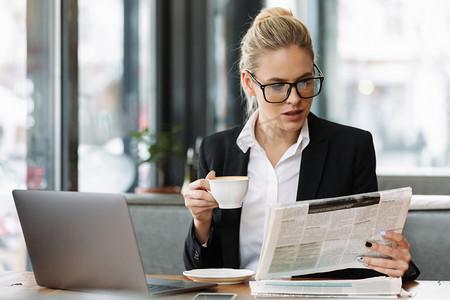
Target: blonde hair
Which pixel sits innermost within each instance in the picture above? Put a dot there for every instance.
(272, 29)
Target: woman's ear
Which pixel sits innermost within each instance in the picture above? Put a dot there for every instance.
(247, 83)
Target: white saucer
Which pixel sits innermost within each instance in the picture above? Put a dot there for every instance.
(220, 276)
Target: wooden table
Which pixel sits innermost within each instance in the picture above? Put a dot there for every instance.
(23, 285)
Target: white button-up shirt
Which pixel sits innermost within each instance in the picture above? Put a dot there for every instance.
(268, 185)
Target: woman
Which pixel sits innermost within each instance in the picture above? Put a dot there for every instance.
(289, 154)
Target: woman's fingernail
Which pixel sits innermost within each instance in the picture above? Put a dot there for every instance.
(368, 244)
(383, 233)
(360, 258)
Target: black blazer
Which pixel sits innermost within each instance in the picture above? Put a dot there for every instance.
(339, 160)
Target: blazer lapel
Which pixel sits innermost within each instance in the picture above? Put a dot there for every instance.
(313, 161)
(237, 164)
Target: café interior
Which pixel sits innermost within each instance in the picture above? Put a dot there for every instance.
(115, 96)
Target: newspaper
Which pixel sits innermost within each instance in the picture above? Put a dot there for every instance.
(329, 234)
(379, 287)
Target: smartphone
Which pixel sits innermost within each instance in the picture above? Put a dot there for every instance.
(215, 296)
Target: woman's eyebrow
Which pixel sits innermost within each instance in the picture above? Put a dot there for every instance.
(307, 74)
(277, 79)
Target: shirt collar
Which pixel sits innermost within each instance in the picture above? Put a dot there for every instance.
(303, 137)
(246, 138)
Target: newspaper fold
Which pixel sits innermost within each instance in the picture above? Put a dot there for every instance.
(329, 234)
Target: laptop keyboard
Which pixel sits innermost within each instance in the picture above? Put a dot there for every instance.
(154, 288)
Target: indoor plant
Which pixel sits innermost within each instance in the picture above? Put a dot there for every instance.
(156, 150)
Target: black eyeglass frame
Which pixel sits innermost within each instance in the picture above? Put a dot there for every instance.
(321, 77)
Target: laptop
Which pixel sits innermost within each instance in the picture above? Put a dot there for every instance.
(86, 241)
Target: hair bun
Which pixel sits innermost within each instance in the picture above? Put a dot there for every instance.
(267, 13)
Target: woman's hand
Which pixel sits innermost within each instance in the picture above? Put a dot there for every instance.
(398, 264)
(201, 203)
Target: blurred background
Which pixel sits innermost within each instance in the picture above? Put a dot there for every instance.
(78, 77)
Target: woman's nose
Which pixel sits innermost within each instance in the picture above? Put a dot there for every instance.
(293, 98)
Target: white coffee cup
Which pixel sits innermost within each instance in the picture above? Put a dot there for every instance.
(229, 191)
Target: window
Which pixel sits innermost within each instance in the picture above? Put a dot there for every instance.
(15, 93)
(100, 56)
(114, 62)
(116, 90)
(388, 71)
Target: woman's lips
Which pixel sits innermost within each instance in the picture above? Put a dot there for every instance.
(293, 115)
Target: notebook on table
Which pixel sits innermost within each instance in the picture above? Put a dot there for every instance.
(86, 241)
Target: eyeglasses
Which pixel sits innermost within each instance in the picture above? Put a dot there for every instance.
(279, 92)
